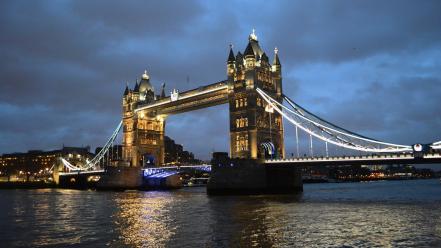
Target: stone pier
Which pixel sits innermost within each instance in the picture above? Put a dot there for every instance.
(248, 176)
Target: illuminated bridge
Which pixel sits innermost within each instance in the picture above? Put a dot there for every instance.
(258, 113)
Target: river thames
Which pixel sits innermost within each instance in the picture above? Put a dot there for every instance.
(371, 214)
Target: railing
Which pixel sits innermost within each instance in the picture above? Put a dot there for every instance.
(354, 158)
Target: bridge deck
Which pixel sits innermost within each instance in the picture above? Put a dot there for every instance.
(202, 97)
(360, 160)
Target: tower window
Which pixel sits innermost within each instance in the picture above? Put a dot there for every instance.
(242, 142)
(241, 122)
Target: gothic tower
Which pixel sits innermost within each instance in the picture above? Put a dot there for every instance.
(256, 131)
(143, 131)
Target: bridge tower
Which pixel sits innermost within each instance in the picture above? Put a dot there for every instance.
(256, 131)
(143, 131)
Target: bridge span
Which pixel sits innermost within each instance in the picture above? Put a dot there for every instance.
(258, 112)
(408, 158)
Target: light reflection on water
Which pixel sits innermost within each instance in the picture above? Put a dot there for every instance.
(379, 214)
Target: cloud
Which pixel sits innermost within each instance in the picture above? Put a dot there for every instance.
(368, 66)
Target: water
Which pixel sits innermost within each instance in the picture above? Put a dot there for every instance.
(375, 214)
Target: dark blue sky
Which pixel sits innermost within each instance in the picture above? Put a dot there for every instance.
(373, 67)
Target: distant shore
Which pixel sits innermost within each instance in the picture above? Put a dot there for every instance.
(26, 185)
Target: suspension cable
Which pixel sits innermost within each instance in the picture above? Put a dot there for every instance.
(348, 145)
(335, 129)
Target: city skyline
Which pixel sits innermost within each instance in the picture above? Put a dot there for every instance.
(66, 66)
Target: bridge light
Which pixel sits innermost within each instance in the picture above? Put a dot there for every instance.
(269, 108)
(417, 147)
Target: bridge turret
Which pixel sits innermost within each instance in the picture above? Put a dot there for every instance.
(126, 91)
(250, 58)
(250, 124)
(146, 90)
(135, 93)
(277, 72)
(231, 62)
(276, 67)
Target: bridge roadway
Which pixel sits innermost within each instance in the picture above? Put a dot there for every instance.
(202, 97)
(430, 158)
(146, 171)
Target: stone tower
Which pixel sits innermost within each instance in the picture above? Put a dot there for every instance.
(256, 131)
(143, 131)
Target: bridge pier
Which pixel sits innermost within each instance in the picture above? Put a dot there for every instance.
(121, 178)
(250, 176)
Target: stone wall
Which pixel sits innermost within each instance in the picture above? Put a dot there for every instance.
(247, 176)
(121, 177)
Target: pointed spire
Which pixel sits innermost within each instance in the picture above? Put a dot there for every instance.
(126, 91)
(253, 36)
(136, 89)
(239, 56)
(276, 60)
(163, 91)
(231, 57)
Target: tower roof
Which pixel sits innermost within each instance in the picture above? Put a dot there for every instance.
(126, 91)
(144, 84)
(136, 89)
(249, 50)
(163, 90)
(276, 60)
(264, 57)
(231, 57)
(253, 47)
(239, 56)
(145, 75)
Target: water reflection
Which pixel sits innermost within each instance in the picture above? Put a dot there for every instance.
(143, 219)
(382, 214)
(246, 220)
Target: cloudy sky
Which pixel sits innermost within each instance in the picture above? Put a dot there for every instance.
(373, 67)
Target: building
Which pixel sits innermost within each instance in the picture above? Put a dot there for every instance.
(175, 153)
(36, 161)
(254, 126)
(114, 155)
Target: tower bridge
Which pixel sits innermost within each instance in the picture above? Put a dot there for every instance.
(145, 113)
(257, 108)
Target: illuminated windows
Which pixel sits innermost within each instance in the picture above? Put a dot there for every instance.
(241, 102)
(241, 122)
(241, 142)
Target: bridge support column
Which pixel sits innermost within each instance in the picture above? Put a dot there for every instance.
(248, 176)
(252, 123)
